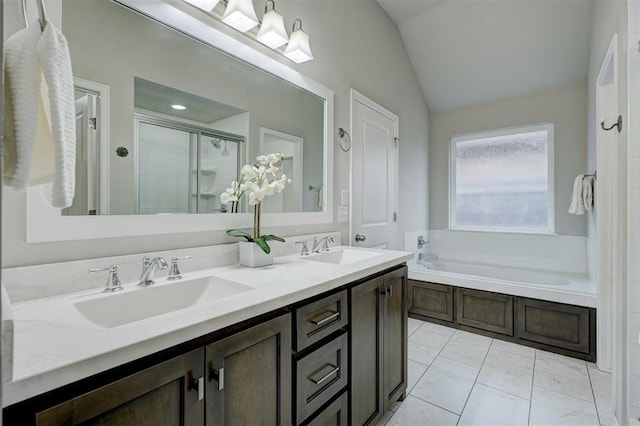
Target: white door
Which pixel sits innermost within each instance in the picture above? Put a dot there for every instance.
(374, 171)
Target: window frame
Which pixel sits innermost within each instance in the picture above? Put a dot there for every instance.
(550, 128)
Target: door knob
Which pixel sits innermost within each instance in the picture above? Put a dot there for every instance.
(360, 238)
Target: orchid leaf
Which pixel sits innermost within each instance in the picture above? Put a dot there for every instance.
(271, 237)
(238, 233)
(262, 243)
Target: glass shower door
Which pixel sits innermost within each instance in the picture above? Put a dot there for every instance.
(165, 169)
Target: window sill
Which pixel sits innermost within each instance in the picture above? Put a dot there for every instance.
(504, 231)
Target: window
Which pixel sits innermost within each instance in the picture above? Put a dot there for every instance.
(502, 180)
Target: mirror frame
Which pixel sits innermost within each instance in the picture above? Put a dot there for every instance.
(45, 223)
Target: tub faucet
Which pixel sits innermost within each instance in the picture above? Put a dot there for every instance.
(149, 269)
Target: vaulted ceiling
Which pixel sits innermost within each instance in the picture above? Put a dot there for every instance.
(467, 52)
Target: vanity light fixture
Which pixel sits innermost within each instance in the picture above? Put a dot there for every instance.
(240, 15)
(178, 107)
(298, 49)
(206, 5)
(272, 32)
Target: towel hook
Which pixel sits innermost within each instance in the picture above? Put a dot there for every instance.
(42, 13)
(24, 13)
(617, 124)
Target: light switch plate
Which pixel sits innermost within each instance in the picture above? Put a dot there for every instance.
(343, 214)
(344, 197)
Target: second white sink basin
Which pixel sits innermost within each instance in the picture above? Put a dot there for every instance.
(343, 256)
(130, 305)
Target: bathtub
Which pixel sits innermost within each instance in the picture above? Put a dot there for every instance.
(575, 289)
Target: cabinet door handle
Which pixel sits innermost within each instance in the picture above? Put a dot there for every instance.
(385, 293)
(333, 371)
(390, 291)
(331, 316)
(198, 385)
(218, 376)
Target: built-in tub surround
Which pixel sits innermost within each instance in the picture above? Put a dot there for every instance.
(558, 253)
(563, 287)
(55, 344)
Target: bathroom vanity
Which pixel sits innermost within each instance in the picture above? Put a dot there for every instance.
(313, 342)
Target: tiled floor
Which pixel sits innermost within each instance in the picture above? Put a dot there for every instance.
(459, 378)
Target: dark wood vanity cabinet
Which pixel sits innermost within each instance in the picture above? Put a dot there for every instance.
(378, 346)
(165, 394)
(335, 359)
(248, 376)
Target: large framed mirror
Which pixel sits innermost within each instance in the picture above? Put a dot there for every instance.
(175, 105)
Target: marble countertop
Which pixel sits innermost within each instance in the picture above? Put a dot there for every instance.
(54, 344)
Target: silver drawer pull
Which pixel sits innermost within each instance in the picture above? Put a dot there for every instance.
(326, 319)
(333, 371)
(198, 385)
(218, 376)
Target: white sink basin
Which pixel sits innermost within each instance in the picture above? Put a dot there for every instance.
(135, 304)
(343, 256)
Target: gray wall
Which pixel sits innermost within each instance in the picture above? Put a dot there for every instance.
(565, 107)
(355, 44)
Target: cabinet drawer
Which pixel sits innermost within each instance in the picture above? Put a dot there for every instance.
(485, 310)
(431, 300)
(538, 321)
(320, 375)
(320, 318)
(336, 414)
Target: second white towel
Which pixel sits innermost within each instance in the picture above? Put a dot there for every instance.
(582, 197)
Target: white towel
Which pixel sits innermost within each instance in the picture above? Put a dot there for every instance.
(27, 139)
(39, 147)
(53, 53)
(577, 205)
(587, 192)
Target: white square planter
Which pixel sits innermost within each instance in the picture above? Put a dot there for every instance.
(252, 255)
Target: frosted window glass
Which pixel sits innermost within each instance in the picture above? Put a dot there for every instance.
(502, 182)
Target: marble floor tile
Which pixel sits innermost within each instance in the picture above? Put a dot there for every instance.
(447, 384)
(414, 411)
(437, 328)
(562, 374)
(507, 371)
(492, 407)
(514, 348)
(415, 371)
(413, 325)
(424, 345)
(558, 409)
(467, 347)
(602, 391)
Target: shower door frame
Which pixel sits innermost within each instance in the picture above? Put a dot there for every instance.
(176, 124)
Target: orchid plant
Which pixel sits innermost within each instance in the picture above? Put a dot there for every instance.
(257, 181)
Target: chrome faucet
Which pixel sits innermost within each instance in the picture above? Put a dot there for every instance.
(149, 269)
(324, 241)
(305, 250)
(113, 281)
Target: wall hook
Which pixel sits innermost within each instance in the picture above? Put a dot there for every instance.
(617, 124)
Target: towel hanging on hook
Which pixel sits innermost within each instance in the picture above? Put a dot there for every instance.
(42, 14)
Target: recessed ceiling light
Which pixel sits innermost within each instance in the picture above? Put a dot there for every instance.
(178, 107)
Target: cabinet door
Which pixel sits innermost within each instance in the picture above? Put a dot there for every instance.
(366, 352)
(485, 310)
(395, 337)
(249, 376)
(431, 300)
(165, 394)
